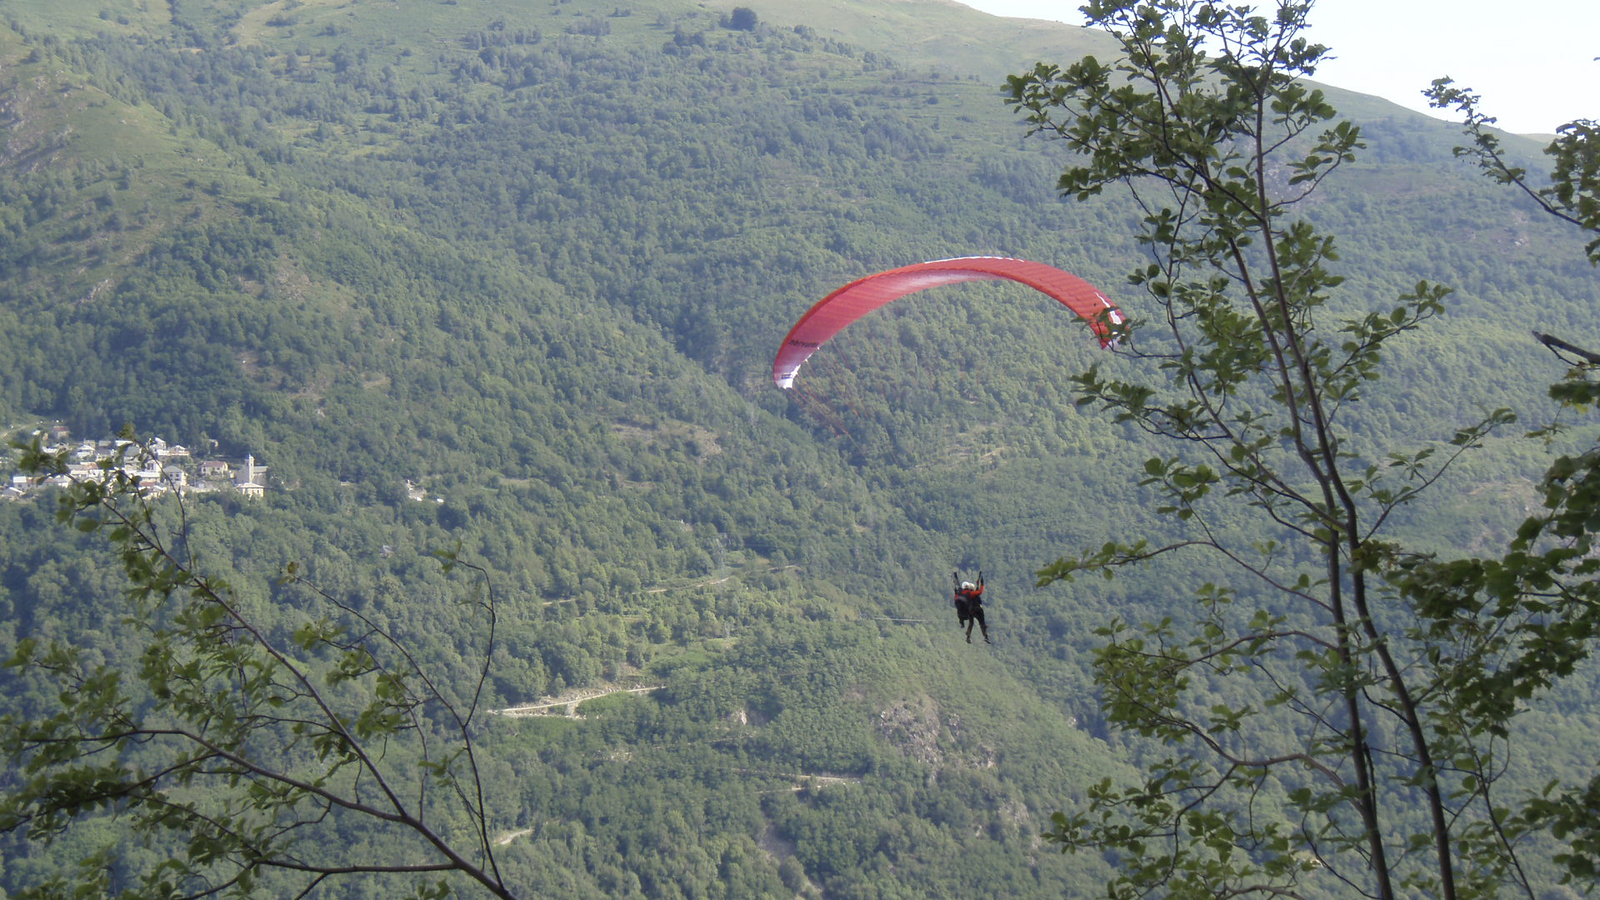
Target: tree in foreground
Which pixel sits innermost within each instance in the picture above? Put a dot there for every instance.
(1547, 580)
(1318, 737)
(257, 753)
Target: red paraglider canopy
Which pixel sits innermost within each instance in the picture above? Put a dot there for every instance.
(837, 310)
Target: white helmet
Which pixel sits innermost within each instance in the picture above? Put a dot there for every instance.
(968, 586)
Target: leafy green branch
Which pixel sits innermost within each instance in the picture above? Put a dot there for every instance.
(254, 754)
(1571, 192)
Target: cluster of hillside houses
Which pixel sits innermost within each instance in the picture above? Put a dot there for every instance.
(159, 466)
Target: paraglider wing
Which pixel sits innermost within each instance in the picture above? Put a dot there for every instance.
(849, 303)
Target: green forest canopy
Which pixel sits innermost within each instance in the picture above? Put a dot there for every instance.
(537, 260)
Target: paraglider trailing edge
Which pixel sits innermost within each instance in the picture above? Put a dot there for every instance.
(833, 313)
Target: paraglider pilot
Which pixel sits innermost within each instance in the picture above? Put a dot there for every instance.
(969, 604)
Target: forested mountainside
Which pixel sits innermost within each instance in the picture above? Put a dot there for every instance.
(534, 260)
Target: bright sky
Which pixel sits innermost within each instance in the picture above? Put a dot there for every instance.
(1531, 61)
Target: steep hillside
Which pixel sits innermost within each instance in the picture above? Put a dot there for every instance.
(531, 261)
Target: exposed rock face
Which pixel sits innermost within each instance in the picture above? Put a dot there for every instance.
(913, 726)
(922, 731)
